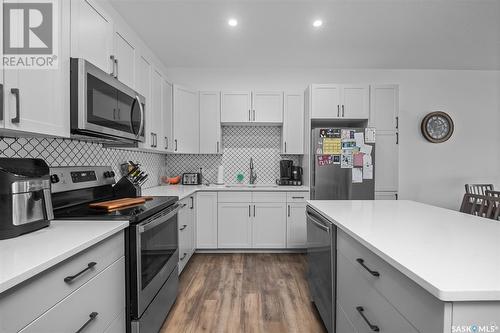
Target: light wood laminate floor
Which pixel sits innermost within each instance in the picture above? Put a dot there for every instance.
(244, 293)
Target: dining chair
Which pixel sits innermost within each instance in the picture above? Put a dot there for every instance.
(478, 188)
(481, 205)
(492, 193)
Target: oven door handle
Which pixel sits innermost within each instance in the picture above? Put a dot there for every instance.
(145, 227)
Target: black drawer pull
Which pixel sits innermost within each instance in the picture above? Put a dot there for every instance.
(374, 328)
(184, 256)
(362, 263)
(68, 279)
(92, 316)
(183, 227)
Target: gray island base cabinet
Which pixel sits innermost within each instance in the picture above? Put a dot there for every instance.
(404, 267)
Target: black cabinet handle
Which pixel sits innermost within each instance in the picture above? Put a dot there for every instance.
(175, 141)
(92, 316)
(68, 279)
(288, 210)
(298, 197)
(362, 263)
(249, 211)
(374, 328)
(192, 202)
(338, 110)
(184, 256)
(15, 92)
(343, 111)
(183, 227)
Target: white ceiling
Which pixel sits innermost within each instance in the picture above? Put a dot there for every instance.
(388, 34)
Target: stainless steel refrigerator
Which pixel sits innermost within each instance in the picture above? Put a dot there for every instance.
(336, 170)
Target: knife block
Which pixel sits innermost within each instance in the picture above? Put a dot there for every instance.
(126, 189)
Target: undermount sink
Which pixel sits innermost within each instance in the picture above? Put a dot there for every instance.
(251, 185)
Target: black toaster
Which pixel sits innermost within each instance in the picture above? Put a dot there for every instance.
(193, 178)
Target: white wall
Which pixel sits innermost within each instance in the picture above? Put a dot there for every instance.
(429, 173)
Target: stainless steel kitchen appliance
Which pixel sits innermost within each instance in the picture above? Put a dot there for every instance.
(322, 262)
(151, 240)
(103, 107)
(289, 174)
(193, 178)
(25, 201)
(333, 166)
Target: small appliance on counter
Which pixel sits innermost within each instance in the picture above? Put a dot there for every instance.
(191, 178)
(290, 175)
(25, 200)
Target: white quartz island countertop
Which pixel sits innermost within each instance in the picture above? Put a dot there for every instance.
(454, 256)
(183, 191)
(28, 255)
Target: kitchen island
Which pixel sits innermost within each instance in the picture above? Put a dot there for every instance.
(403, 266)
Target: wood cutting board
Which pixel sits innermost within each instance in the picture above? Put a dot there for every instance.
(120, 203)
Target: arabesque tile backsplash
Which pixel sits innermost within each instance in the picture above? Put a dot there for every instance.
(239, 143)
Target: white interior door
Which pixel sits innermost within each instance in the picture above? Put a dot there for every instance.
(234, 226)
(293, 124)
(355, 102)
(267, 107)
(210, 128)
(325, 101)
(236, 107)
(269, 225)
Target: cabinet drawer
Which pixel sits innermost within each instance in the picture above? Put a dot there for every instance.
(264, 197)
(419, 307)
(357, 299)
(297, 197)
(104, 296)
(233, 196)
(23, 303)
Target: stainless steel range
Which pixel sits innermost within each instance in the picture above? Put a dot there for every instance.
(151, 239)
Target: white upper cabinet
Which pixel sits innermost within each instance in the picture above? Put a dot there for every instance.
(384, 111)
(333, 101)
(168, 115)
(325, 101)
(2, 90)
(267, 107)
(92, 34)
(236, 107)
(355, 101)
(156, 111)
(125, 55)
(246, 107)
(186, 120)
(143, 87)
(36, 101)
(210, 127)
(293, 124)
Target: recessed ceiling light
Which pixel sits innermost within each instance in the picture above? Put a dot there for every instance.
(232, 22)
(317, 23)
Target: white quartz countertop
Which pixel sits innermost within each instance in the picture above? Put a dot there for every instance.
(183, 191)
(454, 256)
(28, 255)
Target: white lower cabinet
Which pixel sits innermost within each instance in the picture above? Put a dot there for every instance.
(269, 225)
(296, 225)
(234, 225)
(93, 307)
(186, 236)
(206, 220)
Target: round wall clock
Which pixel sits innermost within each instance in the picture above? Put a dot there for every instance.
(437, 127)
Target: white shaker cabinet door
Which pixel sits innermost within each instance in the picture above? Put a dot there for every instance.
(386, 163)
(167, 116)
(267, 107)
(125, 54)
(234, 225)
(206, 220)
(236, 107)
(92, 34)
(210, 128)
(186, 120)
(293, 124)
(355, 102)
(325, 101)
(296, 225)
(269, 225)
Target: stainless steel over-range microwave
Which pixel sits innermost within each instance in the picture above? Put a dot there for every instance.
(103, 107)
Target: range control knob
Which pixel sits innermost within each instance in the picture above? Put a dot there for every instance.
(111, 174)
(54, 179)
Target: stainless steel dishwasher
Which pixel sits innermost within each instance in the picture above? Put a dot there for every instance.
(321, 259)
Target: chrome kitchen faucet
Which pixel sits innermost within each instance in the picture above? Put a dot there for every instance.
(253, 174)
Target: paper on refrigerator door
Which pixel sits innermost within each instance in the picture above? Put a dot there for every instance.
(368, 171)
(346, 161)
(366, 149)
(370, 133)
(359, 137)
(357, 175)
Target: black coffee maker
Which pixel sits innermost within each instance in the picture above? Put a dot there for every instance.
(25, 200)
(289, 174)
